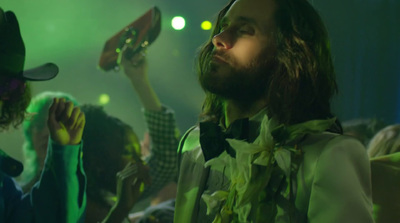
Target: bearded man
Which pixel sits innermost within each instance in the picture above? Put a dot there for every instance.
(269, 148)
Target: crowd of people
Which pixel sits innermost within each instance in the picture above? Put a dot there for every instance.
(266, 148)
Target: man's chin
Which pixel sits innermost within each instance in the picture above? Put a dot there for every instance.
(220, 72)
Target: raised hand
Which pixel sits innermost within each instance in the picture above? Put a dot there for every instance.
(135, 67)
(65, 122)
(145, 145)
(129, 182)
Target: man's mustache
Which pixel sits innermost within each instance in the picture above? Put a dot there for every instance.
(221, 56)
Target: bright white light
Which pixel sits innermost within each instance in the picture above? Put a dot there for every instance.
(178, 23)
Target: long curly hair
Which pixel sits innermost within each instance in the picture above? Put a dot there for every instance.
(303, 80)
(12, 112)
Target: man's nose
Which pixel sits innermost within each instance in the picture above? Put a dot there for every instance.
(222, 41)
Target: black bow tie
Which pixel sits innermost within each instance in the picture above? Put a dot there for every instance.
(212, 138)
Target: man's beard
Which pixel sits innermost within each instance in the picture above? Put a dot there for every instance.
(232, 82)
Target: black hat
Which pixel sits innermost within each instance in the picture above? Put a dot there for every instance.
(12, 53)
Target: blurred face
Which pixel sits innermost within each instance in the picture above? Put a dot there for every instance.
(243, 50)
(15, 96)
(131, 152)
(117, 159)
(11, 86)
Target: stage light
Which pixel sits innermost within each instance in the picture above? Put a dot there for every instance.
(178, 23)
(206, 25)
(104, 99)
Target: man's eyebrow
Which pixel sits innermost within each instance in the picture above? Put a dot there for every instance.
(253, 22)
(247, 20)
(242, 19)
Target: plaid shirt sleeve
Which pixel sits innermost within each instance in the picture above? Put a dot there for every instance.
(162, 161)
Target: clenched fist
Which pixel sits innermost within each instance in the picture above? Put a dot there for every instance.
(65, 122)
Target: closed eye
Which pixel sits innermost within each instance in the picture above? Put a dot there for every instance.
(246, 30)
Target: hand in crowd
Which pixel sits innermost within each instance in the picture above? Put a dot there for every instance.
(129, 182)
(65, 122)
(145, 145)
(135, 67)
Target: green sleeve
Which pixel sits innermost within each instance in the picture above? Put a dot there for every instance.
(60, 196)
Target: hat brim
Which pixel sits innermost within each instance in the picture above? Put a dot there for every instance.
(42, 73)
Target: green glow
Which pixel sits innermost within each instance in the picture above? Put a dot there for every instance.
(104, 99)
(206, 25)
(178, 23)
(176, 53)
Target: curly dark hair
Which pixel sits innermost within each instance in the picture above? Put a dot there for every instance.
(104, 139)
(302, 82)
(13, 108)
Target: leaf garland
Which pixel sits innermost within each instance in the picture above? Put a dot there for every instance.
(261, 174)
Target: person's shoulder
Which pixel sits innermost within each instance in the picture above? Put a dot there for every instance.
(332, 157)
(327, 142)
(190, 148)
(191, 139)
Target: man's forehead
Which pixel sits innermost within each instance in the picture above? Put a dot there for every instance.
(261, 11)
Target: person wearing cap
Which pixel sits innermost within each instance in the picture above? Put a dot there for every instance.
(59, 196)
